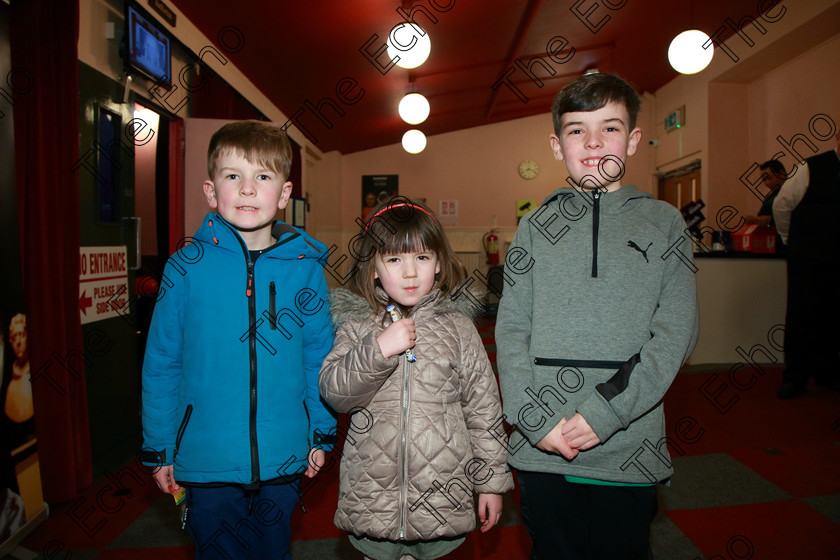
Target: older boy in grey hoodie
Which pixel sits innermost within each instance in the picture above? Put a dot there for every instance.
(601, 315)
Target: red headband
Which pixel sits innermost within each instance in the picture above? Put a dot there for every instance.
(398, 205)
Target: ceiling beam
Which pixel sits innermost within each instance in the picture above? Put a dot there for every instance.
(519, 38)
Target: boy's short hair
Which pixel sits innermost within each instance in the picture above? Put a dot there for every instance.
(258, 142)
(590, 92)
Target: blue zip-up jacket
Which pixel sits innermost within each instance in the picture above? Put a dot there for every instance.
(230, 377)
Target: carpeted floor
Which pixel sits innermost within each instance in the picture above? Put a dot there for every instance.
(755, 478)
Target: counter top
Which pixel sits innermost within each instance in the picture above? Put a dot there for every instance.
(739, 255)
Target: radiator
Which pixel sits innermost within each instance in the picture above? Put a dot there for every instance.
(473, 260)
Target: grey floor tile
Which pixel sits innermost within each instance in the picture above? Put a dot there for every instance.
(668, 542)
(510, 513)
(335, 549)
(827, 505)
(157, 526)
(716, 480)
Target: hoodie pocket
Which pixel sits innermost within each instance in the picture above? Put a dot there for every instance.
(181, 429)
(563, 362)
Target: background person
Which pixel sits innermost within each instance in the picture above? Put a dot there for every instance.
(806, 211)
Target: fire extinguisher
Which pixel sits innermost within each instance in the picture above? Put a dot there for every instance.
(491, 247)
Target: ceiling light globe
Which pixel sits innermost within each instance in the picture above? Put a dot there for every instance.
(409, 44)
(686, 53)
(414, 141)
(414, 108)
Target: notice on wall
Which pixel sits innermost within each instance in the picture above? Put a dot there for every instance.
(103, 282)
(523, 206)
(448, 213)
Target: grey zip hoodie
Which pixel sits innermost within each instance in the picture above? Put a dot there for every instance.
(599, 313)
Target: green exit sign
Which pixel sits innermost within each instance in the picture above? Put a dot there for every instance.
(675, 119)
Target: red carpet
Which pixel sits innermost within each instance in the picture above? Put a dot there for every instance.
(755, 478)
(788, 529)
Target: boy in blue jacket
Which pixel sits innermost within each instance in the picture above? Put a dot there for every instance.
(601, 315)
(231, 408)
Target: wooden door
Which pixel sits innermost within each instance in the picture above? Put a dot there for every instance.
(681, 189)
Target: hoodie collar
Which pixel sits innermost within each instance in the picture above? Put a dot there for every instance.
(610, 202)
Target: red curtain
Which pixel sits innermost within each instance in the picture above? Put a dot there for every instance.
(44, 36)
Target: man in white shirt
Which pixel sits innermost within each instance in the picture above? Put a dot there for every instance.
(806, 213)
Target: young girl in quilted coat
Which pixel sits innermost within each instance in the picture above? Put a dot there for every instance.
(431, 436)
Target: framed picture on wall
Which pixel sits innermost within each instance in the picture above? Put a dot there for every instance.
(377, 189)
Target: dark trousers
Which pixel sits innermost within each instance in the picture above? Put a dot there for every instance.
(570, 521)
(228, 523)
(812, 321)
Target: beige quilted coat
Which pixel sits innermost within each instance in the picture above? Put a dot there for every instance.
(422, 446)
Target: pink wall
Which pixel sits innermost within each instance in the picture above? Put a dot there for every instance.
(729, 129)
(783, 101)
(478, 167)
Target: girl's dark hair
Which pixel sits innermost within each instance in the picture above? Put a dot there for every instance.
(590, 92)
(403, 226)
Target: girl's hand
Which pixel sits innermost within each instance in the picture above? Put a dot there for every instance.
(397, 337)
(489, 510)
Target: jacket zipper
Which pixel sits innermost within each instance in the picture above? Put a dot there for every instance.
(252, 352)
(181, 429)
(595, 223)
(403, 474)
(250, 293)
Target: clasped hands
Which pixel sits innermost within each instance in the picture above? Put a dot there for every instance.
(570, 437)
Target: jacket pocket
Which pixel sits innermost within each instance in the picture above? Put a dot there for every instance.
(181, 429)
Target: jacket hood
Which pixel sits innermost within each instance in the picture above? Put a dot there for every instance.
(292, 243)
(615, 201)
(345, 304)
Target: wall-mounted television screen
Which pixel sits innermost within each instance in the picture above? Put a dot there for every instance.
(148, 46)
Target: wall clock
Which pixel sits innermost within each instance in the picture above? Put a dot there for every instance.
(528, 169)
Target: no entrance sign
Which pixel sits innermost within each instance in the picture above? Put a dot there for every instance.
(103, 274)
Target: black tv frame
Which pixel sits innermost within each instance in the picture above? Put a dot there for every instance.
(132, 64)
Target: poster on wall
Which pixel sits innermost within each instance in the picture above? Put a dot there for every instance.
(377, 189)
(17, 428)
(448, 213)
(523, 206)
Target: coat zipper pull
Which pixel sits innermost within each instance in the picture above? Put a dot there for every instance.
(249, 289)
(272, 306)
(396, 316)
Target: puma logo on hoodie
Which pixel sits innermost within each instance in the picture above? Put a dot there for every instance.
(639, 249)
